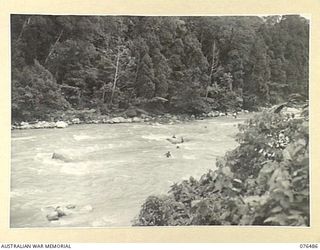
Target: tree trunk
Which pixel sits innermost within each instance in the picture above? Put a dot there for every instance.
(53, 47)
(207, 92)
(213, 66)
(103, 93)
(26, 22)
(115, 78)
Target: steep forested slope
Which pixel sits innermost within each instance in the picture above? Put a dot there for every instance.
(198, 64)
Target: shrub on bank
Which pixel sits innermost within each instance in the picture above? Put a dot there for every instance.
(264, 181)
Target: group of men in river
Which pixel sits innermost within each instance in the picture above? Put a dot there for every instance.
(174, 141)
(174, 138)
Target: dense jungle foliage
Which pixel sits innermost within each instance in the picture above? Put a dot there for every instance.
(264, 181)
(197, 64)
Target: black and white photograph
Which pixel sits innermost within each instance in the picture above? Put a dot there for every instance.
(135, 121)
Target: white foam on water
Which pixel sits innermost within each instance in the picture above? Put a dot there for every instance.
(62, 222)
(46, 159)
(77, 154)
(98, 168)
(23, 192)
(98, 223)
(37, 170)
(48, 209)
(156, 124)
(82, 137)
(192, 146)
(16, 193)
(77, 168)
(154, 137)
(108, 220)
(22, 138)
(104, 222)
(86, 209)
(189, 157)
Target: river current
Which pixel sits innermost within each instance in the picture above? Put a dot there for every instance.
(112, 168)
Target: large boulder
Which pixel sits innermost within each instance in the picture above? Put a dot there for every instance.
(106, 120)
(213, 114)
(131, 112)
(53, 216)
(175, 140)
(71, 206)
(61, 157)
(43, 124)
(51, 124)
(136, 119)
(61, 124)
(117, 120)
(25, 125)
(75, 121)
(60, 211)
(122, 119)
(38, 125)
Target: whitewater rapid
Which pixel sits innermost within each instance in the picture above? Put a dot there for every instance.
(113, 168)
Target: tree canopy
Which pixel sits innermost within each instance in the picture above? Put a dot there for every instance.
(197, 63)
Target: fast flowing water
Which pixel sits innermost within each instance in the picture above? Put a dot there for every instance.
(109, 170)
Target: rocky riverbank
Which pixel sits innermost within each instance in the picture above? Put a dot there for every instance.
(107, 119)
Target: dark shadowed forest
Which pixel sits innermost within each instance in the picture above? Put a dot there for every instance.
(162, 64)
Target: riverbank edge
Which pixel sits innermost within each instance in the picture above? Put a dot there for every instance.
(166, 118)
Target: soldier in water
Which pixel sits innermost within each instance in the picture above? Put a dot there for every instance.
(168, 154)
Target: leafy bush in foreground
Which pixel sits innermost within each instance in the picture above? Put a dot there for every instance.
(264, 181)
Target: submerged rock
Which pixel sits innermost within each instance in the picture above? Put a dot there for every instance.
(175, 140)
(71, 206)
(61, 157)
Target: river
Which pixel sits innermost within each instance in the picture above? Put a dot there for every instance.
(113, 168)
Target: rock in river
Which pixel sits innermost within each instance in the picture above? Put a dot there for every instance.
(76, 121)
(115, 120)
(131, 112)
(61, 124)
(71, 206)
(61, 157)
(136, 119)
(53, 216)
(60, 211)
